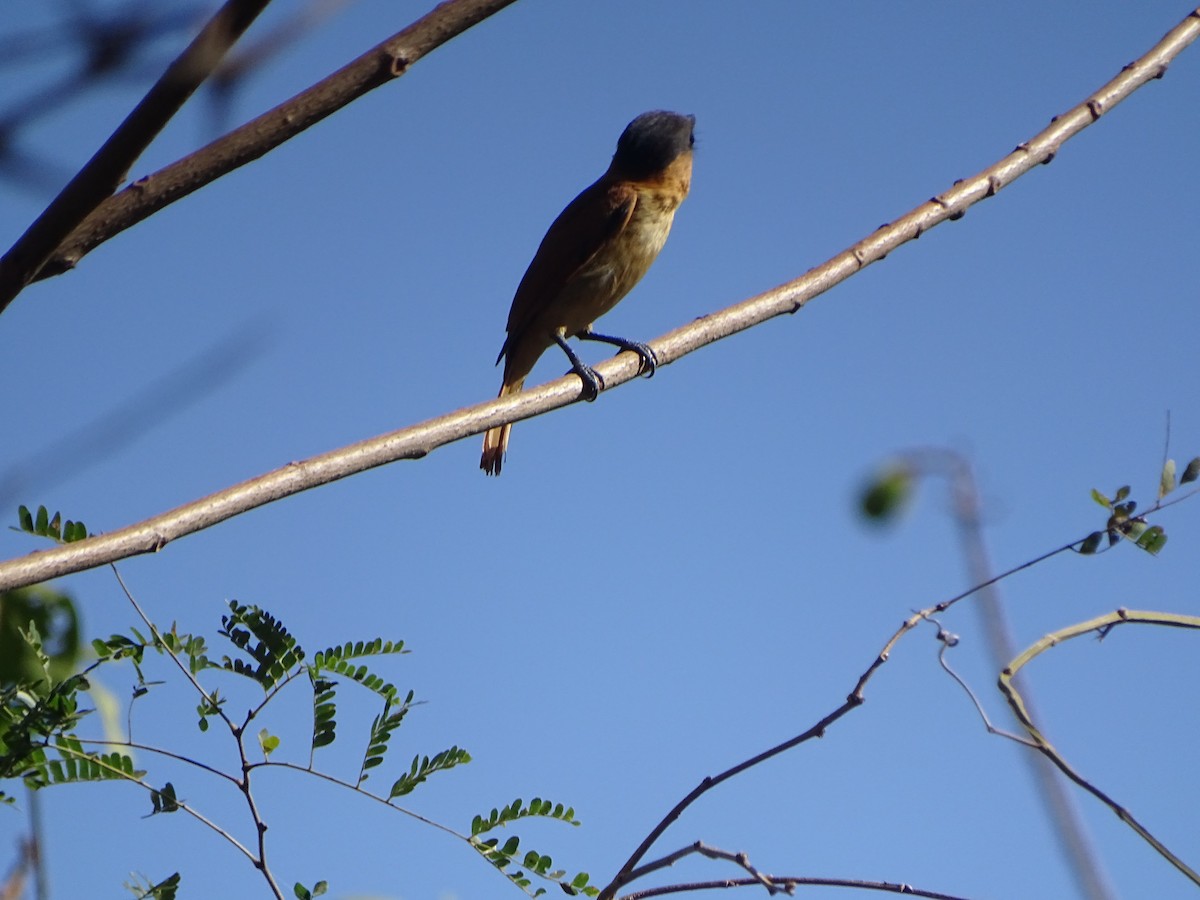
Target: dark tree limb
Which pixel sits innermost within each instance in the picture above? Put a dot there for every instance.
(379, 65)
(105, 171)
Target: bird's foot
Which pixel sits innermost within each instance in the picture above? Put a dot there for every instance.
(593, 381)
(647, 358)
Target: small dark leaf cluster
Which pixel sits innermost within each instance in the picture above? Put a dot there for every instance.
(1123, 522)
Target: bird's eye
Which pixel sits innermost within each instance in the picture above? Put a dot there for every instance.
(692, 139)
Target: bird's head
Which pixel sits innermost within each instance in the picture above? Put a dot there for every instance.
(652, 141)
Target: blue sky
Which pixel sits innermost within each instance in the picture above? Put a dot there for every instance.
(674, 578)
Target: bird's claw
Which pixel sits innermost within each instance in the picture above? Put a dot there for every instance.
(593, 382)
(647, 358)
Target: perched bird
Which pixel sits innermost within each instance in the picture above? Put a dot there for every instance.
(598, 248)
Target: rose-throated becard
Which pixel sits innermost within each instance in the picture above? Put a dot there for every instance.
(598, 248)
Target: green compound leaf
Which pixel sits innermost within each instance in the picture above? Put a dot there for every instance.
(424, 766)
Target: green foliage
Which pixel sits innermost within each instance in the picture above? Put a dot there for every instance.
(506, 855)
(324, 710)
(71, 764)
(887, 495)
(36, 711)
(303, 893)
(424, 766)
(193, 648)
(381, 730)
(208, 707)
(339, 661)
(357, 650)
(53, 615)
(267, 742)
(164, 890)
(1166, 480)
(163, 801)
(263, 638)
(537, 808)
(1124, 523)
(1192, 472)
(39, 715)
(44, 525)
(505, 858)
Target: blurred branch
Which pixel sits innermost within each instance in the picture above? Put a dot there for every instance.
(163, 396)
(1086, 865)
(415, 441)
(379, 65)
(13, 886)
(254, 54)
(103, 173)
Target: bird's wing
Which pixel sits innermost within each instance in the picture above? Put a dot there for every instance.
(593, 219)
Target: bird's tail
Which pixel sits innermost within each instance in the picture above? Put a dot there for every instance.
(495, 442)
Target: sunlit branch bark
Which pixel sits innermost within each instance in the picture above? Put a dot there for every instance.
(417, 440)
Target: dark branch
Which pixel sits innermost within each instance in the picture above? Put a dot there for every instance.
(104, 172)
(379, 65)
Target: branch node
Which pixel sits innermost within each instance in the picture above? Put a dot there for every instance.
(398, 65)
(1095, 108)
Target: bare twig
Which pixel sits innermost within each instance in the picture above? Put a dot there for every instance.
(853, 701)
(379, 65)
(889, 887)
(961, 682)
(157, 635)
(1102, 624)
(181, 804)
(418, 440)
(773, 886)
(104, 172)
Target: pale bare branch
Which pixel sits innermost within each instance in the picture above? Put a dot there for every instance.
(416, 441)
